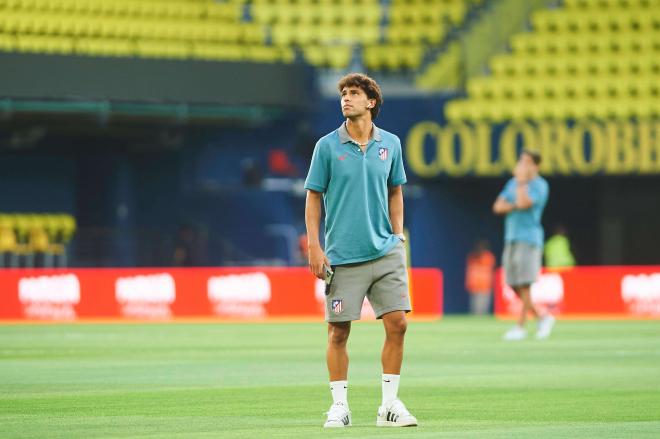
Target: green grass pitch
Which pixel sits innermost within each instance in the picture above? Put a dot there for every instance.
(591, 379)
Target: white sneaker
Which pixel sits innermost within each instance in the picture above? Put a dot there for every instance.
(338, 416)
(545, 327)
(516, 333)
(395, 415)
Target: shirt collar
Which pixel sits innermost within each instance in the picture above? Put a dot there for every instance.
(344, 137)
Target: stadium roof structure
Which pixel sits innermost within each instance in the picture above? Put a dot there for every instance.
(183, 90)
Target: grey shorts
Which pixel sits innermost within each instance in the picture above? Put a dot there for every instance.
(522, 263)
(384, 281)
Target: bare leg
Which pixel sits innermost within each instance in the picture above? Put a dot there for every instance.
(525, 296)
(337, 356)
(395, 329)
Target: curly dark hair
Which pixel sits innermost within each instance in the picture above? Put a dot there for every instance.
(368, 85)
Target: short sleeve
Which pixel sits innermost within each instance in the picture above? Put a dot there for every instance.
(397, 175)
(538, 192)
(319, 174)
(508, 193)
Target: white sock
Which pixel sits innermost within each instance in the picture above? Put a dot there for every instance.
(390, 387)
(339, 390)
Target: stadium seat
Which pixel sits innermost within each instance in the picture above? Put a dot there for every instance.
(590, 58)
(194, 29)
(339, 57)
(224, 52)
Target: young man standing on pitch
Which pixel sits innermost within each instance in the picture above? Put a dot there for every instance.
(357, 171)
(522, 201)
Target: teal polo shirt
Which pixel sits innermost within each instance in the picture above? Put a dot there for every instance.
(525, 225)
(355, 193)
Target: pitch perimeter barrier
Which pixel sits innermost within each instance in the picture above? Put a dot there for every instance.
(623, 291)
(250, 293)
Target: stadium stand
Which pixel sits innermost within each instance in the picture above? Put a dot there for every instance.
(145, 28)
(390, 35)
(23, 236)
(589, 58)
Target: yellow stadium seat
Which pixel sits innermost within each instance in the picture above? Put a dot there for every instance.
(286, 14)
(224, 52)
(38, 240)
(7, 42)
(345, 34)
(538, 110)
(262, 54)
(223, 11)
(308, 14)
(250, 33)
(316, 55)
(160, 49)
(644, 108)
(479, 88)
(8, 242)
(455, 110)
(582, 109)
(405, 35)
(22, 225)
(457, 13)
(368, 34)
(104, 47)
(339, 57)
(264, 13)
(544, 21)
(53, 45)
(330, 14)
(485, 110)
(287, 54)
(393, 58)
(412, 56)
(501, 66)
(519, 111)
(283, 35)
(371, 58)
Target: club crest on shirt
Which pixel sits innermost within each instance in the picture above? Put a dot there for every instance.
(337, 306)
(382, 153)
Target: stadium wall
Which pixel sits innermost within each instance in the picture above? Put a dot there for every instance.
(631, 291)
(109, 79)
(37, 183)
(251, 293)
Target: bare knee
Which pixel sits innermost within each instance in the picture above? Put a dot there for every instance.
(397, 328)
(338, 334)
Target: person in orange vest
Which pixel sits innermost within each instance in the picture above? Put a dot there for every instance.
(479, 278)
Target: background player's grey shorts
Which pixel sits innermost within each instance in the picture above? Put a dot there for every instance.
(522, 263)
(384, 281)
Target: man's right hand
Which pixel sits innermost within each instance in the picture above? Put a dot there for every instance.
(317, 260)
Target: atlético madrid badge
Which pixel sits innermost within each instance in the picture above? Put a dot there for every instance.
(337, 306)
(382, 153)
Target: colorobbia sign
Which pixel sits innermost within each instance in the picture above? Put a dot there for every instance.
(233, 293)
(624, 291)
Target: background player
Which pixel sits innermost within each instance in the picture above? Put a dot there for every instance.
(522, 202)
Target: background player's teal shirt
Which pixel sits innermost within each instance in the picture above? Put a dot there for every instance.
(525, 225)
(355, 187)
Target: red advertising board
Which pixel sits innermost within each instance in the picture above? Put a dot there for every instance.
(164, 293)
(632, 291)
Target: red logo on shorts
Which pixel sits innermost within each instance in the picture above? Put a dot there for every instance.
(342, 157)
(337, 306)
